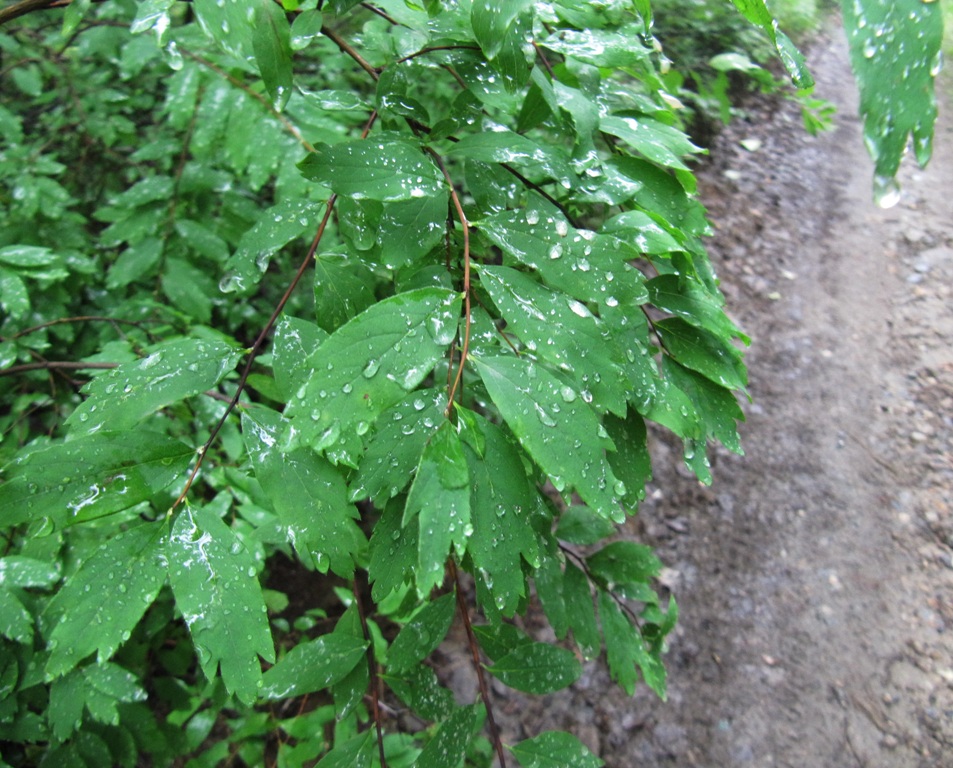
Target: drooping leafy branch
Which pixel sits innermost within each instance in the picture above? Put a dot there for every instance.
(495, 205)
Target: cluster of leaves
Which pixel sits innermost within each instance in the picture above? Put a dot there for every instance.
(494, 203)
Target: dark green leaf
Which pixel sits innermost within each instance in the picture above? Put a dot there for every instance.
(295, 343)
(409, 229)
(704, 352)
(582, 614)
(393, 553)
(271, 42)
(131, 568)
(216, 588)
(422, 634)
(692, 302)
(537, 668)
(440, 499)
(497, 640)
(312, 666)
(353, 753)
(27, 256)
(90, 477)
(549, 589)
(631, 462)
(512, 149)
(369, 364)
(448, 748)
(556, 428)
(757, 13)
(173, 371)
(382, 169)
(492, 21)
(20, 571)
(624, 562)
(717, 408)
(16, 623)
(307, 493)
(579, 525)
(343, 288)
(554, 749)
(419, 689)
(305, 28)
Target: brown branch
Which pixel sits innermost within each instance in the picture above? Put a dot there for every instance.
(432, 49)
(375, 679)
(466, 278)
(24, 7)
(59, 365)
(477, 665)
(77, 319)
(345, 47)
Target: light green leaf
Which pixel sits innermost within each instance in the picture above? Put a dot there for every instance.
(74, 14)
(393, 553)
(409, 229)
(614, 49)
(655, 141)
(90, 477)
(313, 665)
(216, 588)
(641, 232)
(14, 297)
(130, 567)
(419, 637)
(704, 352)
(492, 21)
(896, 43)
(554, 749)
(537, 668)
(502, 502)
(27, 256)
(394, 449)
(448, 748)
(349, 691)
(369, 365)
(513, 149)
(440, 500)
(121, 398)
(305, 28)
(625, 650)
(757, 13)
(556, 428)
(271, 42)
(716, 407)
(307, 493)
(375, 169)
(561, 330)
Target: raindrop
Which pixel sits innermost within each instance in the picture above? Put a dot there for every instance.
(543, 416)
(347, 388)
(886, 191)
(372, 367)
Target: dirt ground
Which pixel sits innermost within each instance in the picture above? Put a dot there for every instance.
(815, 577)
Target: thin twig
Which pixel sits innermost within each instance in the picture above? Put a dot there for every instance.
(77, 319)
(374, 677)
(61, 365)
(434, 48)
(466, 278)
(477, 665)
(345, 47)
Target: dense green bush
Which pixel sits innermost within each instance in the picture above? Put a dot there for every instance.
(492, 207)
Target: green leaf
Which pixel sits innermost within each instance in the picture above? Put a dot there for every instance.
(448, 748)
(349, 691)
(642, 232)
(308, 495)
(130, 567)
(384, 168)
(497, 640)
(440, 499)
(513, 149)
(271, 42)
(14, 296)
(188, 288)
(582, 614)
(757, 13)
(305, 28)
(653, 140)
(562, 330)
(624, 562)
(16, 623)
(717, 408)
(625, 650)
(579, 525)
(502, 502)
(312, 666)
(556, 428)
(549, 589)
(394, 449)
(343, 288)
(613, 49)
(537, 668)
(353, 753)
(393, 553)
(216, 588)
(20, 571)
(419, 637)
(492, 20)
(136, 261)
(100, 688)
(693, 303)
(370, 364)
(704, 352)
(27, 256)
(631, 462)
(419, 688)
(409, 229)
(554, 749)
(173, 371)
(90, 477)
(74, 14)
(896, 43)
(295, 343)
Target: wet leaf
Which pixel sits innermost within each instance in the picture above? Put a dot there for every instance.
(16, 623)
(896, 43)
(216, 588)
(419, 637)
(581, 612)
(90, 477)
(655, 141)
(689, 300)
(757, 13)
(313, 665)
(537, 668)
(173, 371)
(294, 345)
(704, 352)
(131, 569)
(448, 748)
(561, 433)
(554, 749)
(370, 364)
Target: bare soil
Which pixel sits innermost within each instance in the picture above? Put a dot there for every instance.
(815, 577)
